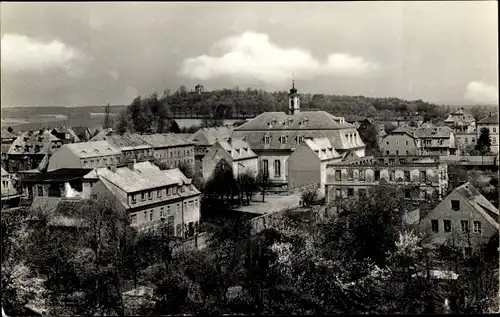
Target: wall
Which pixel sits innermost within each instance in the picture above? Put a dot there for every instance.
(63, 158)
(271, 156)
(304, 167)
(467, 212)
(399, 144)
(250, 166)
(464, 140)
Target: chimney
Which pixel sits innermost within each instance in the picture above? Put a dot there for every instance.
(229, 140)
(113, 168)
(130, 164)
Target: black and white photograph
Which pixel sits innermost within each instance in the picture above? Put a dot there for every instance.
(249, 158)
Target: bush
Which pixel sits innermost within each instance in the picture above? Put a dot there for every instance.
(310, 197)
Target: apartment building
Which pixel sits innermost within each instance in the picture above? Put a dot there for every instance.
(93, 154)
(426, 140)
(234, 153)
(463, 125)
(465, 218)
(273, 136)
(171, 150)
(419, 177)
(204, 139)
(133, 147)
(29, 149)
(308, 163)
(490, 123)
(151, 196)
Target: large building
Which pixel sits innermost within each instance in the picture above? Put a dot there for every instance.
(308, 163)
(426, 140)
(171, 150)
(204, 139)
(29, 149)
(234, 153)
(419, 177)
(464, 218)
(133, 147)
(151, 196)
(463, 125)
(273, 136)
(93, 154)
(490, 123)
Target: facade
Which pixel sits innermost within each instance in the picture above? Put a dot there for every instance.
(465, 218)
(235, 153)
(204, 139)
(29, 149)
(490, 123)
(93, 154)
(171, 150)
(9, 192)
(133, 147)
(61, 183)
(151, 196)
(273, 136)
(420, 178)
(66, 135)
(463, 125)
(308, 163)
(426, 140)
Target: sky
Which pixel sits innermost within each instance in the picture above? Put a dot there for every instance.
(79, 54)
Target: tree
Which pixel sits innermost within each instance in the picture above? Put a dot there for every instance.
(484, 142)
(369, 136)
(108, 121)
(174, 127)
(248, 183)
(457, 175)
(123, 124)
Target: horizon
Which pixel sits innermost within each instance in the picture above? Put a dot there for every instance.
(54, 54)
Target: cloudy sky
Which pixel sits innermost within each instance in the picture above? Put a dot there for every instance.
(93, 53)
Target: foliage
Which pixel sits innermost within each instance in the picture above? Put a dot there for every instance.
(483, 145)
(108, 121)
(369, 136)
(310, 197)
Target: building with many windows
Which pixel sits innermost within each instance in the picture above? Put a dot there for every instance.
(490, 123)
(93, 154)
(463, 125)
(204, 139)
(273, 136)
(170, 149)
(464, 218)
(420, 178)
(151, 196)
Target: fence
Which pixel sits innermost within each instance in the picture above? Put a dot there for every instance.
(288, 192)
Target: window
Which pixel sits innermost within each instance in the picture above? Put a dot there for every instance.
(362, 192)
(265, 167)
(191, 205)
(455, 205)
(158, 193)
(494, 130)
(387, 142)
(435, 225)
(277, 168)
(151, 213)
(397, 142)
(473, 140)
(350, 174)
(338, 175)
(407, 193)
(196, 203)
(423, 194)
(267, 139)
(183, 188)
(377, 175)
(40, 190)
(423, 176)
(477, 226)
(170, 225)
(174, 190)
(133, 199)
(178, 230)
(133, 218)
(168, 191)
(143, 196)
(447, 225)
(465, 226)
(145, 216)
(397, 152)
(391, 161)
(150, 195)
(362, 175)
(406, 142)
(387, 152)
(392, 175)
(283, 139)
(300, 139)
(466, 140)
(350, 192)
(85, 162)
(338, 193)
(162, 212)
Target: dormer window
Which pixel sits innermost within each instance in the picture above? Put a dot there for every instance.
(267, 139)
(40, 138)
(300, 139)
(283, 139)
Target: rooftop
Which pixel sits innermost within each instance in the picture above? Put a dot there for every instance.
(480, 203)
(492, 119)
(208, 136)
(323, 148)
(164, 140)
(237, 149)
(38, 142)
(60, 175)
(93, 149)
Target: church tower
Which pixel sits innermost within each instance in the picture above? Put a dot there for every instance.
(293, 100)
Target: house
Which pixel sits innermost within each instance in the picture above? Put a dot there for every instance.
(66, 135)
(93, 154)
(426, 140)
(490, 123)
(464, 218)
(420, 177)
(171, 150)
(7, 140)
(64, 182)
(463, 125)
(234, 153)
(152, 196)
(102, 135)
(307, 164)
(273, 136)
(10, 196)
(83, 133)
(204, 139)
(132, 146)
(29, 149)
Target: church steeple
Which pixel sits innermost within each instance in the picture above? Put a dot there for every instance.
(293, 99)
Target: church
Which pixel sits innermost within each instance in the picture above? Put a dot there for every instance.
(273, 136)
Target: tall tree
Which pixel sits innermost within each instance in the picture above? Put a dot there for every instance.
(484, 142)
(108, 121)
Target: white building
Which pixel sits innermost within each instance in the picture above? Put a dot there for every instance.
(93, 154)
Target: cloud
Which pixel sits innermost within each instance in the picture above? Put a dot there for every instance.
(21, 53)
(480, 92)
(254, 55)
